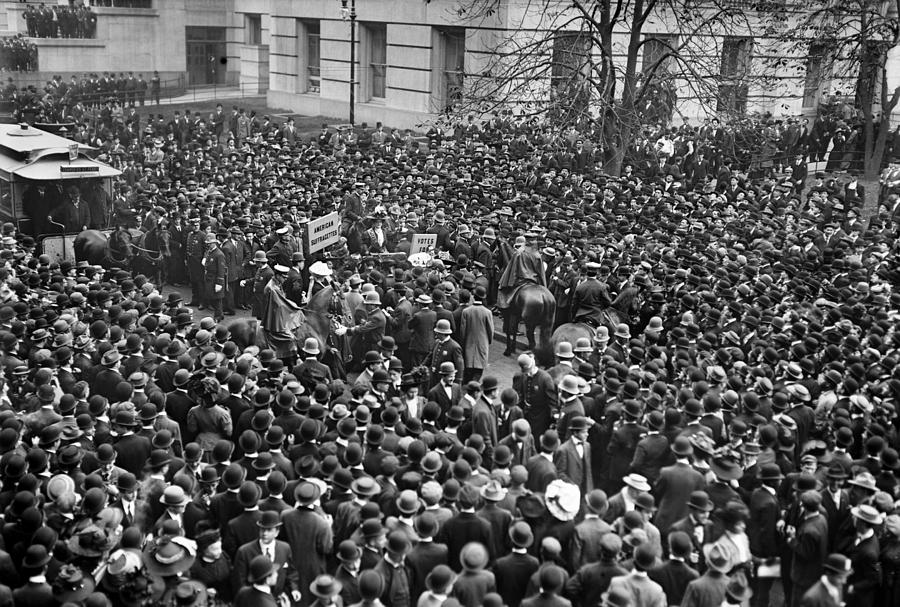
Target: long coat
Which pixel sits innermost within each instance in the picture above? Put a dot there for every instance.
(476, 327)
(310, 538)
(215, 272)
(672, 492)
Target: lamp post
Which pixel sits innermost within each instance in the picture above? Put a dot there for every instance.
(350, 13)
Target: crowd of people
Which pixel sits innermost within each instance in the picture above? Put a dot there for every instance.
(731, 440)
(18, 55)
(60, 21)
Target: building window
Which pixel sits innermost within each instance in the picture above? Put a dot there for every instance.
(658, 49)
(815, 73)
(569, 65)
(448, 67)
(734, 70)
(376, 59)
(252, 29)
(309, 55)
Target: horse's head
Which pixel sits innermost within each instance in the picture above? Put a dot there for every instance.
(122, 243)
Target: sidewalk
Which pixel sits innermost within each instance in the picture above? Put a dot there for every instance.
(207, 93)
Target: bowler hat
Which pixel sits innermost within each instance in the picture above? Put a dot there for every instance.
(260, 568)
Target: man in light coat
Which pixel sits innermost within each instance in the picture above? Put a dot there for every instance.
(477, 332)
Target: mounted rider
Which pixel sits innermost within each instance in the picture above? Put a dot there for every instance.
(524, 267)
(591, 297)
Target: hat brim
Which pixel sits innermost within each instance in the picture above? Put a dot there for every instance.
(727, 474)
(637, 486)
(157, 568)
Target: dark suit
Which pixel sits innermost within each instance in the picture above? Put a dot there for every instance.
(810, 547)
(484, 423)
(764, 514)
(349, 585)
(572, 468)
(287, 575)
(34, 595)
(836, 513)
(521, 452)
(538, 399)
(132, 452)
(512, 573)
(140, 516)
(621, 450)
(241, 530)
(251, 597)
(541, 472)
(461, 529)
(439, 395)
(674, 577)
(866, 576)
(672, 492)
(650, 455)
(586, 587)
(689, 525)
(310, 538)
(419, 563)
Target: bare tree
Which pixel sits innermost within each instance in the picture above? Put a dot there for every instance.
(604, 66)
(849, 40)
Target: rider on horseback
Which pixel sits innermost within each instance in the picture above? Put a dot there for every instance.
(591, 297)
(524, 267)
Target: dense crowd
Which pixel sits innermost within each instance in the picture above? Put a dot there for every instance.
(60, 21)
(18, 55)
(734, 433)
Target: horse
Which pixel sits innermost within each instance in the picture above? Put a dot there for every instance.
(117, 251)
(620, 311)
(534, 305)
(325, 310)
(152, 254)
(354, 232)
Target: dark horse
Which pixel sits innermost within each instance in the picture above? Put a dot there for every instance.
(354, 232)
(152, 252)
(622, 310)
(117, 251)
(534, 305)
(324, 311)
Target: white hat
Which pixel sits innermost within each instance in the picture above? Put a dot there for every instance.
(563, 500)
(320, 268)
(637, 481)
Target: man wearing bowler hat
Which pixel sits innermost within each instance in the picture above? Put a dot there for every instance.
(132, 450)
(262, 575)
(829, 589)
(675, 486)
(276, 551)
(392, 569)
(696, 525)
(426, 554)
(309, 535)
(349, 555)
(573, 458)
